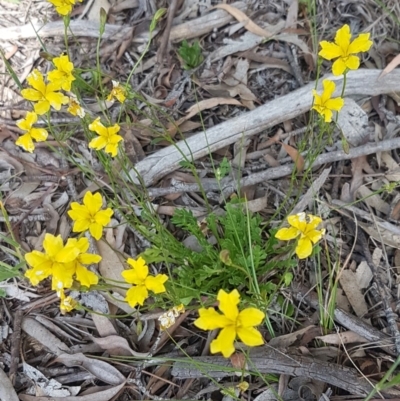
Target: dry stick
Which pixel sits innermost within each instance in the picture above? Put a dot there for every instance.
(165, 161)
(15, 344)
(274, 173)
(286, 361)
(167, 31)
(187, 30)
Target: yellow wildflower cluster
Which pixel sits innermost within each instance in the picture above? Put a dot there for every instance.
(344, 51)
(64, 263)
(47, 95)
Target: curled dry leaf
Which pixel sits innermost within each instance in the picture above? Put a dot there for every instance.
(245, 20)
(346, 337)
(105, 395)
(102, 370)
(116, 342)
(199, 107)
(295, 156)
(390, 67)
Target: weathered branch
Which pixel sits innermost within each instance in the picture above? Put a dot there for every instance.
(288, 362)
(360, 82)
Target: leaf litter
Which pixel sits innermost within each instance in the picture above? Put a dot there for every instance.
(253, 53)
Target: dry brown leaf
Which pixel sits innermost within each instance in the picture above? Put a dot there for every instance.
(348, 281)
(101, 369)
(112, 343)
(287, 340)
(199, 107)
(208, 104)
(295, 156)
(390, 67)
(105, 395)
(7, 392)
(342, 338)
(44, 336)
(245, 20)
(110, 265)
(291, 17)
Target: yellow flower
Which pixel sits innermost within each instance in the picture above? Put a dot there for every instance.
(89, 216)
(142, 281)
(56, 257)
(75, 107)
(45, 95)
(67, 304)
(62, 75)
(38, 134)
(63, 7)
(168, 318)
(324, 104)
(232, 322)
(82, 274)
(344, 50)
(107, 139)
(308, 233)
(118, 92)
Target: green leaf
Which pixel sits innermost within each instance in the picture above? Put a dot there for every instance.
(190, 54)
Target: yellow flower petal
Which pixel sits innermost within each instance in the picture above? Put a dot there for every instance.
(103, 217)
(93, 202)
(342, 39)
(80, 225)
(335, 104)
(286, 234)
(315, 235)
(56, 99)
(31, 94)
(25, 142)
(139, 266)
(136, 275)
(62, 276)
(250, 336)
(228, 303)
(96, 230)
(250, 317)
(98, 127)
(224, 342)
(42, 107)
(328, 89)
(39, 134)
(37, 274)
(304, 248)
(338, 67)
(52, 245)
(156, 284)
(85, 277)
(98, 143)
(314, 222)
(111, 149)
(360, 44)
(136, 295)
(89, 258)
(352, 62)
(327, 114)
(298, 221)
(329, 50)
(210, 319)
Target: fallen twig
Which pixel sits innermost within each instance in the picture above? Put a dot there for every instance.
(287, 361)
